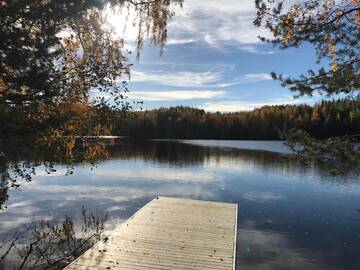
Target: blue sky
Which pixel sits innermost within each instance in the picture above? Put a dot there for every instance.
(214, 60)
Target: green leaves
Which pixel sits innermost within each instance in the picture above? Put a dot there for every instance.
(52, 55)
(333, 28)
(337, 155)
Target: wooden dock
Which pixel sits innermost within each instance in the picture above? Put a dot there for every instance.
(169, 233)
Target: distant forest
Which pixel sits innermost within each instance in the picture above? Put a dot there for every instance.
(323, 120)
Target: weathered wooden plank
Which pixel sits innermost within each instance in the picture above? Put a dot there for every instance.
(169, 233)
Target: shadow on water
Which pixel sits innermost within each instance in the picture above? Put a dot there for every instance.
(51, 244)
(178, 154)
(291, 216)
(184, 153)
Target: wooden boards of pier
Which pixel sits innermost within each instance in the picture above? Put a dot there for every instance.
(169, 233)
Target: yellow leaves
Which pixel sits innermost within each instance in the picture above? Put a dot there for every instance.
(86, 56)
(334, 66)
(65, 139)
(289, 23)
(332, 53)
(69, 146)
(7, 68)
(353, 5)
(288, 36)
(2, 86)
(357, 16)
(72, 44)
(329, 4)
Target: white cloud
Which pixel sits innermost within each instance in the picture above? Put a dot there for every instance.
(180, 41)
(166, 95)
(261, 197)
(159, 175)
(264, 250)
(257, 77)
(174, 95)
(253, 48)
(226, 106)
(121, 19)
(230, 22)
(248, 78)
(178, 78)
(234, 106)
(195, 79)
(227, 23)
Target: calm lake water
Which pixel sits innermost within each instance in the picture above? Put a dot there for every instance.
(290, 216)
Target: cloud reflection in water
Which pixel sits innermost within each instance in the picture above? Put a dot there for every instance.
(278, 200)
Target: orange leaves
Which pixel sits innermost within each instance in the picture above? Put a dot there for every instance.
(357, 17)
(288, 36)
(332, 54)
(66, 140)
(72, 44)
(289, 23)
(2, 86)
(329, 4)
(54, 55)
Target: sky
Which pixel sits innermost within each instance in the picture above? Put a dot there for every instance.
(214, 60)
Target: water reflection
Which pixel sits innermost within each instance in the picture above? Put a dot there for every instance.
(264, 250)
(270, 146)
(290, 216)
(178, 154)
(51, 244)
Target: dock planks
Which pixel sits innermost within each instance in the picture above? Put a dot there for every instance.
(169, 233)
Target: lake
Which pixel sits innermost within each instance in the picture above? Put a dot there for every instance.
(291, 216)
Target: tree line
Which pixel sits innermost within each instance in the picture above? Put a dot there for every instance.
(323, 120)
